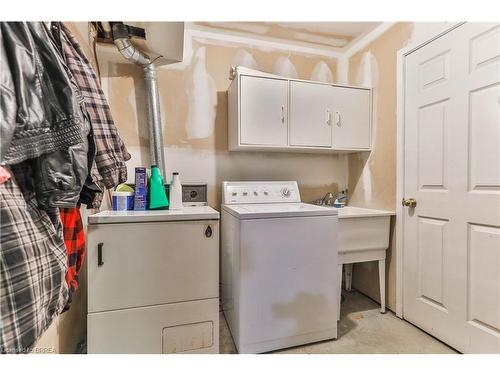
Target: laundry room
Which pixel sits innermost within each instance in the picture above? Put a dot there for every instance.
(199, 184)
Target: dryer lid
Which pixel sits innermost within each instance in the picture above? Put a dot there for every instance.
(186, 214)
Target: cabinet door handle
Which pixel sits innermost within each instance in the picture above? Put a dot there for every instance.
(99, 254)
(337, 119)
(283, 113)
(328, 117)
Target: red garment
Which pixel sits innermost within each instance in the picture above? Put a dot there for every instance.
(4, 174)
(74, 239)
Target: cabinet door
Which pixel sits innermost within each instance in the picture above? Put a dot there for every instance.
(263, 111)
(145, 264)
(351, 118)
(310, 114)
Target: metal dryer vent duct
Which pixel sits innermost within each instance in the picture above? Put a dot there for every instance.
(130, 52)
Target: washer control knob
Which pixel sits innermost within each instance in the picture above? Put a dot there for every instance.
(285, 192)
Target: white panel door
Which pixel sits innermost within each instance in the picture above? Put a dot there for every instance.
(263, 111)
(310, 114)
(351, 118)
(452, 169)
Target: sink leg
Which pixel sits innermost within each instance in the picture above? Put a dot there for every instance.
(348, 277)
(339, 289)
(381, 276)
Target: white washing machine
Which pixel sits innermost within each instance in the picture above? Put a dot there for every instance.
(279, 267)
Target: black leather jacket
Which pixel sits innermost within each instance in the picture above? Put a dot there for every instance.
(40, 115)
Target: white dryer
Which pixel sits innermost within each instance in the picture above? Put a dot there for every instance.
(279, 267)
(153, 281)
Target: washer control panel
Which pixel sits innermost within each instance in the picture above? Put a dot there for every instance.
(240, 192)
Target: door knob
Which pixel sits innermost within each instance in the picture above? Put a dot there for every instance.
(410, 202)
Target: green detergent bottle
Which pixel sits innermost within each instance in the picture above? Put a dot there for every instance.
(157, 196)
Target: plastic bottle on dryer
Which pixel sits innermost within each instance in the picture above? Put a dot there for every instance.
(175, 192)
(157, 196)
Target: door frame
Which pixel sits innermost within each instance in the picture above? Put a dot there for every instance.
(400, 153)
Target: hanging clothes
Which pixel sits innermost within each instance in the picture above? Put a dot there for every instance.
(74, 240)
(109, 169)
(62, 148)
(33, 264)
(41, 114)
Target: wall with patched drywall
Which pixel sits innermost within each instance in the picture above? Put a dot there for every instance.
(372, 176)
(194, 116)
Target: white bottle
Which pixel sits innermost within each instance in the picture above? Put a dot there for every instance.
(175, 193)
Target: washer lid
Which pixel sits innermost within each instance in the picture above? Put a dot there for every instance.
(276, 210)
(186, 214)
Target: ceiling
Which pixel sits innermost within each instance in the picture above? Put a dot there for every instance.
(324, 34)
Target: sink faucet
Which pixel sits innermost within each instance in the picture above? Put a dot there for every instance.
(341, 199)
(328, 199)
(334, 201)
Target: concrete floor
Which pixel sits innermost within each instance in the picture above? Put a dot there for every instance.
(362, 330)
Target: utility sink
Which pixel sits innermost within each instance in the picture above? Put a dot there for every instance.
(363, 236)
(362, 230)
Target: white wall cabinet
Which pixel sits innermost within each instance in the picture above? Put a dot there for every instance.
(267, 112)
(351, 118)
(310, 114)
(264, 108)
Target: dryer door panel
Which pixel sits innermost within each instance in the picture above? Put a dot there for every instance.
(143, 264)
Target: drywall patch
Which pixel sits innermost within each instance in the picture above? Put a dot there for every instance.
(133, 105)
(246, 59)
(202, 93)
(367, 71)
(284, 67)
(322, 73)
(343, 70)
(367, 76)
(228, 40)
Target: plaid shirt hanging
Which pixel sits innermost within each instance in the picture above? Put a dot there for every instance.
(109, 167)
(32, 264)
(74, 239)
